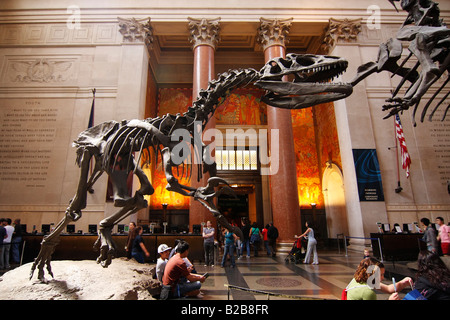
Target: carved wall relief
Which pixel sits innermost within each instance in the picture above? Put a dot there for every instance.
(40, 70)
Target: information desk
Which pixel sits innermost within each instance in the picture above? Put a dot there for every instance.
(397, 246)
(80, 246)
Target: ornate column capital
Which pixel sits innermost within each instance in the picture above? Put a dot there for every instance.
(204, 32)
(135, 30)
(273, 32)
(340, 30)
(148, 29)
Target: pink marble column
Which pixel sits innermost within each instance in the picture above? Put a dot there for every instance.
(283, 183)
(204, 36)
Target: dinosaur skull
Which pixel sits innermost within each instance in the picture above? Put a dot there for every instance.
(311, 84)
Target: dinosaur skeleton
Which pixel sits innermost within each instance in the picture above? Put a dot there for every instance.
(430, 43)
(112, 144)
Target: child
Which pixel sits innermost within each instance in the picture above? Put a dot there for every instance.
(164, 252)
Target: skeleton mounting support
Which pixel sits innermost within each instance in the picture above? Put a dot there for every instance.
(112, 144)
(429, 43)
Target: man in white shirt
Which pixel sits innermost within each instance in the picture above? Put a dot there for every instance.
(2, 237)
(7, 241)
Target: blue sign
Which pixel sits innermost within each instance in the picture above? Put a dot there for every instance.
(368, 175)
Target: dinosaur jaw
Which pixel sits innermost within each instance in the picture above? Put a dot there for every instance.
(291, 95)
(312, 81)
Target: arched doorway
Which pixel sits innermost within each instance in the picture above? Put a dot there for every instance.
(334, 197)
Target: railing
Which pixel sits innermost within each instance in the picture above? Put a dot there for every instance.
(23, 249)
(268, 294)
(348, 237)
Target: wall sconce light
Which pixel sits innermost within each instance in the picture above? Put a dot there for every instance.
(313, 205)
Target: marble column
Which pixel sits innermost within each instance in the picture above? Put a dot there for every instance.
(284, 195)
(355, 131)
(132, 84)
(204, 38)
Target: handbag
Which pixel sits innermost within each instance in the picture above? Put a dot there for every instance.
(344, 294)
(254, 238)
(414, 295)
(166, 292)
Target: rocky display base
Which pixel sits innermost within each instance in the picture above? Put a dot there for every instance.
(82, 280)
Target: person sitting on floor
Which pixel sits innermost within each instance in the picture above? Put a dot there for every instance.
(360, 287)
(163, 251)
(177, 269)
(433, 277)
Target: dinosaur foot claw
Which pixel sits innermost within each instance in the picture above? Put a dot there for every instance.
(397, 105)
(43, 260)
(106, 247)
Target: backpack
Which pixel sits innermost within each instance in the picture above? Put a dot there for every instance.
(272, 232)
(344, 294)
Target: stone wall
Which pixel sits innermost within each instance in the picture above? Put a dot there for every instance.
(48, 71)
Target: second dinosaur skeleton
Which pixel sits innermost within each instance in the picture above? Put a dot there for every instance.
(429, 43)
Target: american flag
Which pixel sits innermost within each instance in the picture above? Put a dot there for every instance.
(406, 159)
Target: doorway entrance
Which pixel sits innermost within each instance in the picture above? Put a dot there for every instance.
(334, 197)
(234, 208)
(247, 203)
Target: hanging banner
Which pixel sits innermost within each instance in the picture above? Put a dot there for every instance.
(368, 175)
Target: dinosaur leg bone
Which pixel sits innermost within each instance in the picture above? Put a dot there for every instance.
(172, 182)
(205, 195)
(73, 213)
(104, 241)
(48, 246)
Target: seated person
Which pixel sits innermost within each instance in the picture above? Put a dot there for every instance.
(189, 264)
(433, 277)
(359, 288)
(177, 269)
(164, 252)
(174, 249)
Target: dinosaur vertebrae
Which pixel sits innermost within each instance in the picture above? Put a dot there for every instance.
(204, 107)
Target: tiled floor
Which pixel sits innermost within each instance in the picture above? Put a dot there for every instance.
(275, 275)
(288, 280)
